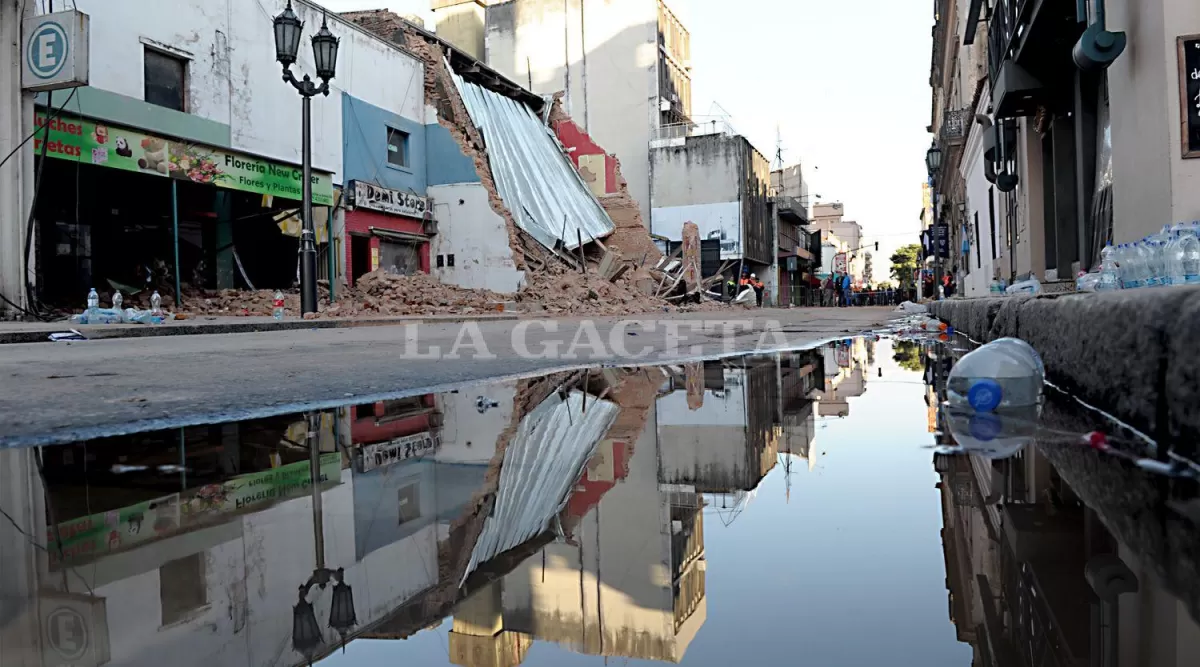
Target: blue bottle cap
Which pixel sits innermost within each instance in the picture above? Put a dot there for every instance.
(985, 395)
(985, 427)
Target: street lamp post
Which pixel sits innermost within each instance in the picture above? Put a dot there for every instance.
(307, 636)
(288, 28)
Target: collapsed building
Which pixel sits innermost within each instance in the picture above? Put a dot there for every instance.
(549, 217)
(439, 186)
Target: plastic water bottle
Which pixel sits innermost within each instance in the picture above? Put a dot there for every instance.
(117, 300)
(278, 305)
(155, 304)
(1184, 259)
(1110, 278)
(1133, 266)
(93, 300)
(1021, 348)
(1156, 267)
(994, 377)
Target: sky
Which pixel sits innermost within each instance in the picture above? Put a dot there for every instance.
(844, 85)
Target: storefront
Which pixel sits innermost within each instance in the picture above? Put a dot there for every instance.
(119, 208)
(387, 229)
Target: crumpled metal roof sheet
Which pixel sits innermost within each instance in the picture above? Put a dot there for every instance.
(536, 180)
(548, 453)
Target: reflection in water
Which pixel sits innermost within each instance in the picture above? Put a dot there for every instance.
(577, 512)
(1059, 555)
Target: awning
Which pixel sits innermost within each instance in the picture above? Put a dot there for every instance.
(403, 237)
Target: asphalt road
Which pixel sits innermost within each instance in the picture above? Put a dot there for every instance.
(60, 392)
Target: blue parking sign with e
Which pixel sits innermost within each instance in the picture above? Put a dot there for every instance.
(47, 50)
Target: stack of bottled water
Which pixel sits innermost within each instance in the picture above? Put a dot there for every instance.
(1170, 257)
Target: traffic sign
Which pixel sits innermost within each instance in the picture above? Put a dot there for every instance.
(54, 51)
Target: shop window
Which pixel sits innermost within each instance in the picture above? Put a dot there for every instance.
(165, 79)
(403, 259)
(397, 146)
(182, 588)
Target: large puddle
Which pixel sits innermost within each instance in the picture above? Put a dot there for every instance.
(805, 508)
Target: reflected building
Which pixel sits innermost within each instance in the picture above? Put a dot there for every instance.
(1049, 563)
(627, 578)
(846, 363)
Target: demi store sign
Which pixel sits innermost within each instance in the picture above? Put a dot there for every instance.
(86, 141)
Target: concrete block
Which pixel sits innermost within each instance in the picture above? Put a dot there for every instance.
(1107, 348)
(1183, 375)
(1005, 323)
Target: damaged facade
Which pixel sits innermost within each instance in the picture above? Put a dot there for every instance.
(426, 162)
(715, 178)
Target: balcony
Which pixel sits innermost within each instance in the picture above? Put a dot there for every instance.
(956, 124)
(1029, 43)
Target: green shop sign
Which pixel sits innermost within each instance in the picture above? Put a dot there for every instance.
(82, 140)
(261, 488)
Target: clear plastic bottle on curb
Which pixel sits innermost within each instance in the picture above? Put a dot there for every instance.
(278, 312)
(1156, 266)
(1110, 278)
(93, 300)
(1020, 347)
(994, 377)
(155, 305)
(117, 300)
(1184, 264)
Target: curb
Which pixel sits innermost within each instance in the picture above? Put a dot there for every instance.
(111, 332)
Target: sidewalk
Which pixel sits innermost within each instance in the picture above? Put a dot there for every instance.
(39, 332)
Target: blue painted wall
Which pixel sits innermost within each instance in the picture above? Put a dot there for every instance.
(364, 147)
(445, 162)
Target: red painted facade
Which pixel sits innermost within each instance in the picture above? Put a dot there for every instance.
(573, 137)
(370, 429)
(360, 221)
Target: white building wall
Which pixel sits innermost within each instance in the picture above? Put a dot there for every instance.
(477, 236)
(247, 621)
(535, 44)
(233, 77)
(469, 436)
(988, 220)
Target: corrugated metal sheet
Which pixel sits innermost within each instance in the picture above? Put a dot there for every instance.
(535, 178)
(549, 451)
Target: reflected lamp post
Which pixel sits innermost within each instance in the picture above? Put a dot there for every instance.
(307, 636)
(288, 28)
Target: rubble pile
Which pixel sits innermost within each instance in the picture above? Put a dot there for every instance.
(383, 293)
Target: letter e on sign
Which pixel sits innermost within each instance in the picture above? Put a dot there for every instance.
(54, 51)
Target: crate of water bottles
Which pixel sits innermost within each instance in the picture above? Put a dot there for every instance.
(1170, 257)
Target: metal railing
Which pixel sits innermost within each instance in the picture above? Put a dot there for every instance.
(1003, 30)
(697, 127)
(955, 124)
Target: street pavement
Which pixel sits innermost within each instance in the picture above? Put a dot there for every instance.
(60, 392)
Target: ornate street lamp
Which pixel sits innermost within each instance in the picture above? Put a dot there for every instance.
(306, 631)
(933, 159)
(288, 28)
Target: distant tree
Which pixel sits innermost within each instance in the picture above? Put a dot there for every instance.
(908, 355)
(904, 262)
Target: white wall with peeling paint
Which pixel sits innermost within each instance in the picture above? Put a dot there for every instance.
(469, 229)
(232, 76)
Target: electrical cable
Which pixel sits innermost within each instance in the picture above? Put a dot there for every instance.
(33, 205)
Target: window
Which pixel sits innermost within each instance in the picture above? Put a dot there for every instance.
(182, 588)
(978, 250)
(164, 83)
(397, 146)
(992, 219)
